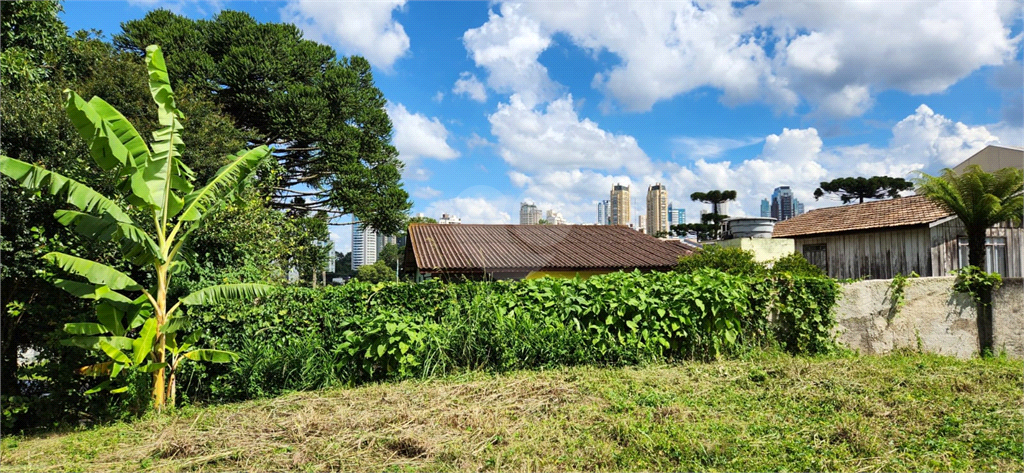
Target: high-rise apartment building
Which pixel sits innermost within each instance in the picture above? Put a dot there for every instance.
(680, 217)
(784, 205)
(364, 245)
(766, 208)
(657, 209)
(603, 212)
(641, 223)
(529, 214)
(619, 213)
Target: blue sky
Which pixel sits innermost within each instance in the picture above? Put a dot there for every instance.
(554, 102)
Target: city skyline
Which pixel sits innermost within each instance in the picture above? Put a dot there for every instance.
(493, 104)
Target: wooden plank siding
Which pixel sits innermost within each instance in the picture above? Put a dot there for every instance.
(945, 248)
(927, 250)
(876, 254)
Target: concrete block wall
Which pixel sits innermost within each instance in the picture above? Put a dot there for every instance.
(934, 318)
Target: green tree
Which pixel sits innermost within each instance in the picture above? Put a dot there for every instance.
(376, 272)
(323, 114)
(710, 224)
(166, 208)
(860, 188)
(390, 254)
(716, 198)
(980, 200)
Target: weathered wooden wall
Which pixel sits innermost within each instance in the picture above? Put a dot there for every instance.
(944, 247)
(881, 254)
(876, 254)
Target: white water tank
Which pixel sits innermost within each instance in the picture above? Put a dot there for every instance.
(749, 227)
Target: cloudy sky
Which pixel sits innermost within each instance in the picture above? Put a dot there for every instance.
(555, 102)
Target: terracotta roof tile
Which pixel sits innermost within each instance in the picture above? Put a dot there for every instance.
(440, 247)
(904, 211)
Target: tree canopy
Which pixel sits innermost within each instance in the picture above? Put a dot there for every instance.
(322, 115)
(860, 188)
(710, 224)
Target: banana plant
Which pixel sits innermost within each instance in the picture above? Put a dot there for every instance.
(138, 333)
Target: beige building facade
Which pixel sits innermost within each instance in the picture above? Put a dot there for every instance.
(619, 213)
(657, 210)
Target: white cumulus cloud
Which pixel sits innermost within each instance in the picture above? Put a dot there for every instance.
(835, 56)
(471, 210)
(469, 86)
(417, 136)
(557, 138)
(363, 28)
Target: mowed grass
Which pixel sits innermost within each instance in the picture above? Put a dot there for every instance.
(902, 412)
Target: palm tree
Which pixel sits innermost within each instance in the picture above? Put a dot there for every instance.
(980, 200)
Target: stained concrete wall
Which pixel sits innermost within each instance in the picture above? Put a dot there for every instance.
(934, 318)
(764, 249)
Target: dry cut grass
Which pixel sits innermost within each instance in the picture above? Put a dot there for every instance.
(896, 413)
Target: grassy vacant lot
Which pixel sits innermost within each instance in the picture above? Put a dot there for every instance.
(895, 413)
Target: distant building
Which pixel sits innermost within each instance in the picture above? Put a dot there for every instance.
(993, 158)
(448, 219)
(619, 213)
(384, 240)
(603, 210)
(555, 218)
(784, 205)
(657, 210)
(671, 215)
(680, 216)
(766, 208)
(641, 224)
(528, 214)
(364, 245)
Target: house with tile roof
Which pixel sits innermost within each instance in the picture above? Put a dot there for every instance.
(883, 238)
(487, 252)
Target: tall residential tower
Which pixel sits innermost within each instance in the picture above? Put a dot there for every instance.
(657, 210)
(619, 213)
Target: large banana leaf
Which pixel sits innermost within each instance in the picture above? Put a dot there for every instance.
(92, 291)
(136, 245)
(228, 178)
(213, 356)
(93, 342)
(106, 149)
(81, 196)
(224, 292)
(163, 172)
(144, 343)
(96, 273)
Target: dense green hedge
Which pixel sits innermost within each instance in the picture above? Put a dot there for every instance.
(300, 338)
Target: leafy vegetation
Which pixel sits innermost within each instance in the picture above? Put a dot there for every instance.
(901, 412)
(850, 189)
(898, 292)
(379, 271)
(298, 338)
(140, 333)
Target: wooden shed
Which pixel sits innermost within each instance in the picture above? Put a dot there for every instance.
(883, 238)
(478, 252)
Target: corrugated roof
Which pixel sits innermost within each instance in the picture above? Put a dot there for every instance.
(439, 247)
(901, 212)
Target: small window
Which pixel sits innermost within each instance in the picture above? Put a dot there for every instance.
(995, 254)
(817, 255)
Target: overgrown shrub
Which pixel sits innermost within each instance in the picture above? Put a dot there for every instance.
(796, 265)
(300, 338)
(727, 260)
